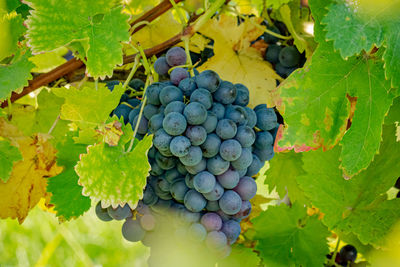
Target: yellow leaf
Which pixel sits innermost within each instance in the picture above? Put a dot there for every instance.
(157, 31)
(237, 62)
(28, 180)
(111, 132)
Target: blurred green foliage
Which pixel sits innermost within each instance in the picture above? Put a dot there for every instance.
(42, 241)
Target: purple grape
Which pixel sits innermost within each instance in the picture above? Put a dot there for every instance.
(211, 221)
(246, 188)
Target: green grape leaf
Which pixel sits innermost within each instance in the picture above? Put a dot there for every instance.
(11, 28)
(240, 256)
(66, 193)
(350, 31)
(294, 19)
(318, 10)
(315, 105)
(358, 205)
(15, 76)
(316, 109)
(361, 141)
(88, 107)
(8, 155)
(394, 112)
(287, 236)
(89, 22)
(282, 174)
(45, 62)
(32, 120)
(124, 178)
(392, 52)
(260, 5)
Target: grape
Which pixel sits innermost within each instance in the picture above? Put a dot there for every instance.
(179, 146)
(232, 230)
(211, 122)
(212, 205)
(155, 123)
(237, 114)
(397, 184)
(161, 66)
(230, 202)
(242, 172)
(195, 113)
(282, 71)
(143, 124)
(155, 169)
(226, 93)
(211, 145)
(178, 74)
(162, 140)
(263, 140)
(259, 107)
(178, 190)
(132, 231)
(226, 129)
(149, 111)
(215, 194)
(243, 95)
(266, 119)
(204, 182)
(201, 166)
(247, 188)
(202, 96)
(268, 38)
(347, 253)
(196, 134)
(102, 214)
(181, 168)
(124, 97)
(217, 165)
(289, 56)
(197, 232)
(176, 56)
(119, 213)
(188, 85)
(274, 131)
(142, 208)
(230, 150)
(134, 102)
(189, 181)
(149, 196)
(219, 110)
(161, 206)
(174, 106)
(272, 53)
(211, 221)
(245, 135)
(164, 185)
(174, 123)
(189, 217)
(166, 163)
(172, 175)
(170, 93)
(209, 80)
(111, 84)
(216, 240)
(193, 157)
(229, 179)
(225, 217)
(255, 166)
(122, 111)
(148, 222)
(265, 154)
(153, 93)
(244, 210)
(136, 84)
(194, 201)
(251, 117)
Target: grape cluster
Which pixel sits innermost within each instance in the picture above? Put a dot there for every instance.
(207, 145)
(285, 59)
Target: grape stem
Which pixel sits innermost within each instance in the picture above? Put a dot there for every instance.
(186, 41)
(132, 72)
(332, 260)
